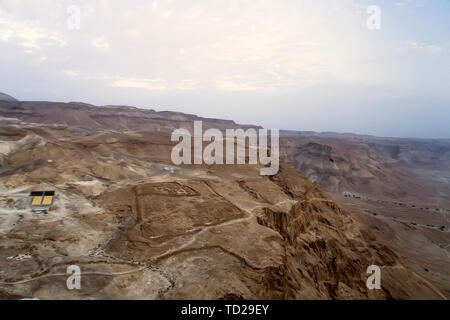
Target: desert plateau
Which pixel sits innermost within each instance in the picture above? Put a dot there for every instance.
(140, 227)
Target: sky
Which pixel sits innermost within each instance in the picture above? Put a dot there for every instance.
(323, 65)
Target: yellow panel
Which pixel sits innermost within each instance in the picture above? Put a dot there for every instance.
(47, 200)
(37, 201)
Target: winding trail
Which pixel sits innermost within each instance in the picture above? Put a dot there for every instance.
(110, 274)
(394, 219)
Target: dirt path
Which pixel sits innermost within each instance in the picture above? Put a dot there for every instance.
(377, 215)
(110, 274)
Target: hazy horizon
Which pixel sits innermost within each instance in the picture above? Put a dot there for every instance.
(296, 65)
(238, 122)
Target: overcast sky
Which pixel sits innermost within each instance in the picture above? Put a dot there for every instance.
(301, 65)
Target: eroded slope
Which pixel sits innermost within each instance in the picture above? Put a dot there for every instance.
(141, 228)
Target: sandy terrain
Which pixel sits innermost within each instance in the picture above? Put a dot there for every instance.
(141, 228)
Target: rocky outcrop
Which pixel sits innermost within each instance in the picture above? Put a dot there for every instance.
(5, 97)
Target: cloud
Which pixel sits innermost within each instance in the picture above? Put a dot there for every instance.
(100, 43)
(237, 83)
(229, 46)
(71, 73)
(29, 33)
(148, 84)
(187, 85)
(431, 49)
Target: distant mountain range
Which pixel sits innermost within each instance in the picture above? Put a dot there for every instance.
(386, 168)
